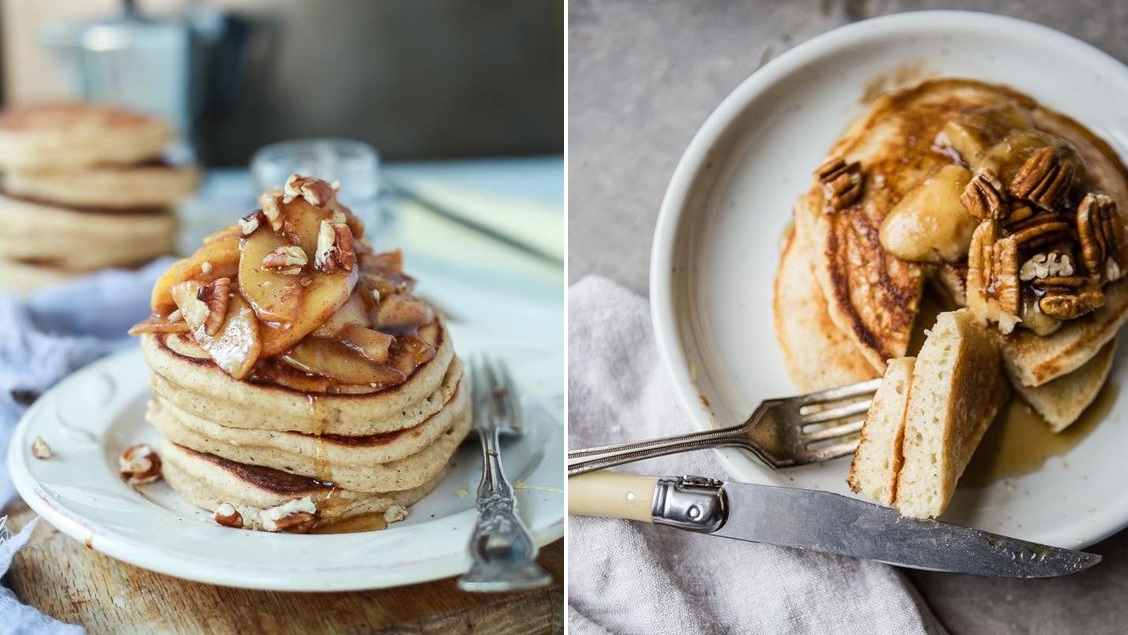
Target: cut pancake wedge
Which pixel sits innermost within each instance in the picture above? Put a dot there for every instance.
(878, 460)
(958, 388)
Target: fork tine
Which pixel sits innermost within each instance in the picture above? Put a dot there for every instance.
(840, 393)
(841, 430)
(840, 412)
(830, 452)
(479, 385)
(508, 398)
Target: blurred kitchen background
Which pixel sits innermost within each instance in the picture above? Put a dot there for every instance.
(416, 79)
(463, 100)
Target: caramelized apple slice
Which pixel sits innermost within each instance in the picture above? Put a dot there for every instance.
(325, 295)
(275, 297)
(333, 359)
(236, 345)
(157, 324)
(372, 344)
(399, 313)
(409, 352)
(217, 258)
(351, 312)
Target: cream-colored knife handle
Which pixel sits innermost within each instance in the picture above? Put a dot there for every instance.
(612, 495)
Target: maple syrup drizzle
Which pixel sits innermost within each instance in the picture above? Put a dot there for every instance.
(1020, 442)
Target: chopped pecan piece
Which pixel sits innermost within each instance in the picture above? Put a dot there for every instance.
(40, 449)
(1044, 265)
(315, 191)
(842, 183)
(251, 222)
(139, 464)
(334, 248)
(984, 196)
(1100, 230)
(216, 297)
(288, 259)
(297, 523)
(993, 293)
(269, 201)
(228, 516)
(1042, 179)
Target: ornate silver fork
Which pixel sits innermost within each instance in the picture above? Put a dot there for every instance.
(504, 553)
(781, 432)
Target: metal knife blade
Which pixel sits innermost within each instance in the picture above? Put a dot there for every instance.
(819, 521)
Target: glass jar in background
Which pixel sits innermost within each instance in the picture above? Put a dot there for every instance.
(354, 163)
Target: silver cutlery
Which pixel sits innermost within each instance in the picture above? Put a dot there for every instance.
(504, 554)
(798, 430)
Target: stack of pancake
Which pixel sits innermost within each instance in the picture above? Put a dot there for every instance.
(925, 176)
(84, 187)
(322, 392)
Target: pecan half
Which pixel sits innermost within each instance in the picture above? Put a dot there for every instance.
(216, 297)
(139, 464)
(1100, 230)
(1042, 179)
(993, 293)
(984, 196)
(1064, 303)
(1040, 230)
(334, 248)
(287, 259)
(842, 183)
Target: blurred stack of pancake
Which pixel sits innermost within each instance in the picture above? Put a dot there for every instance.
(84, 187)
(297, 382)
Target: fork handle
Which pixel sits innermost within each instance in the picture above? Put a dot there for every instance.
(591, 459)
(504, 554)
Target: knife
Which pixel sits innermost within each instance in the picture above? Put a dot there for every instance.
(815, 520)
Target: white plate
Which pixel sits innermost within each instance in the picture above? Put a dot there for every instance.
(89, 418)
(716, 245)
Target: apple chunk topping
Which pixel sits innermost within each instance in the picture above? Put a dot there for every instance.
(333, 359)
(274, 295)
(399, 313)
(235, 345)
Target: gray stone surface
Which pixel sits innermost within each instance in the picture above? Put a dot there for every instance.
(644, 75)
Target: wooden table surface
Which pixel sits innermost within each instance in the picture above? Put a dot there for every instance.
(68, 581)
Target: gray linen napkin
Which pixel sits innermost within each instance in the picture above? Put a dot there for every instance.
(43, 338)
(626, 577)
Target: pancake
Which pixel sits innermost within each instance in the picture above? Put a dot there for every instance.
(958, 388)
(871, 295)
(1062, 401)
(878, 459)
(393, 476)
(24, 277)
(818, 355)
(353, 462)
(198, 386)
(82, 240)
(70, 135)
(208, 481)
(115, 187)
